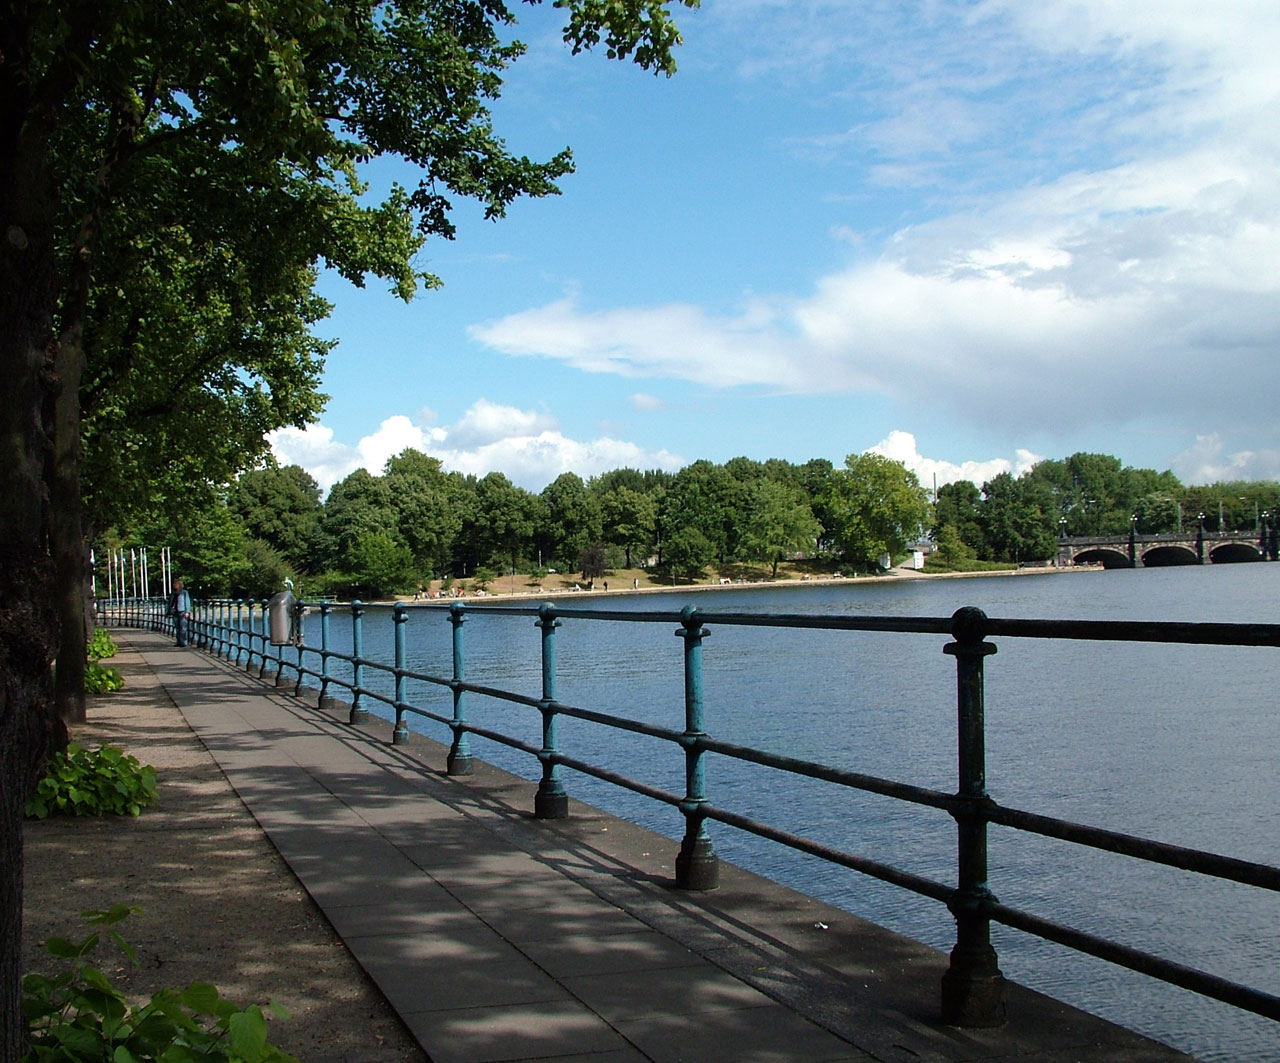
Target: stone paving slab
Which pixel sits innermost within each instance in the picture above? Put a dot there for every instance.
(498, 937)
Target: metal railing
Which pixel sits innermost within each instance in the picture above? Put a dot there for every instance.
(973, 987)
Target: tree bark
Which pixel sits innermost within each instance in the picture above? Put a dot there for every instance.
(66, 525)
(28, 725)
(66, 521)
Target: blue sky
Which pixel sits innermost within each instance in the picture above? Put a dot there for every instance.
(965, 234)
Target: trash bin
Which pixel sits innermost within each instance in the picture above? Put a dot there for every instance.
(281, 612)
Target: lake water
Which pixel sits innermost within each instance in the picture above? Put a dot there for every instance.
(1175, 743)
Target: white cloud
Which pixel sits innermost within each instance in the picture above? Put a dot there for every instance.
(901, 446)
(315, 449)
(526, 446)
(646, 403)
(644, 341)
(1208, 461)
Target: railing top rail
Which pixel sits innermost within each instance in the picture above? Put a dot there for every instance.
(972, 623)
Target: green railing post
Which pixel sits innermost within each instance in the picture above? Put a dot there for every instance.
(358, 712)
(255, 650)
(299, 610)
(244, 609)
(697, 866)
(551, 801)
(280, 676)
(459, 761)
(327, 701)
(264, 641)
(400, 616)
(973, 990)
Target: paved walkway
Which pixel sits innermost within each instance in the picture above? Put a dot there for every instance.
(496, 936)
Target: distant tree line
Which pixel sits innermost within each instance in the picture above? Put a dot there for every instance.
(1020, 518)
(416, 522)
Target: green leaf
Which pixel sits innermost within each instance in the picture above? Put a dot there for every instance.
(249, 1033)
(62, 948)
(201, 997)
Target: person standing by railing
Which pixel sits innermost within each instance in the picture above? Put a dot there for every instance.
(180, 610)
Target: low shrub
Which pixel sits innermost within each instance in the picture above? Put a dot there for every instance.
(79, 1016)
(102, 645)
(83, 782)
(101, 678)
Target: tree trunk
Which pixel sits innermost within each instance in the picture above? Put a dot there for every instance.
(28, 726)
(66, 523)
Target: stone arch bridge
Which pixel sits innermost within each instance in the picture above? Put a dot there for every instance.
(1195, 548)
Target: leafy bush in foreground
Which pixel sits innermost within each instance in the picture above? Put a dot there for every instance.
(83, 782)
(78, 1016)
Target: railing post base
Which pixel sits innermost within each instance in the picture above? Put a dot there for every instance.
(400, 735)
(458, 764)
(973, 991)
(358, 715)
(697, 866)
(551, 805)
(327, 703)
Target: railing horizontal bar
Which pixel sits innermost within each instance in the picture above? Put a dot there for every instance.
(497, 736)
(495, 692)
(1178, 974)
(365, 692)
(886, 787)
(438, 680)
(1137, 631)
(1218, 634)
(605, 775)
(1224, 867)
(915, 883)
(623, 723)
(427, 713)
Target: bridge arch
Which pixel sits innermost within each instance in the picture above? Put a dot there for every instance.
(1104, 556)
(1233, 553)
(1166, 556)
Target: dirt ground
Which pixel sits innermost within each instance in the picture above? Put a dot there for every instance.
(218, 903)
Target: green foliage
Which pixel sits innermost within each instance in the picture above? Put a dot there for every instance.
(630, 518)
(83, 782)
(79, 1016)
(264, 572)
(704, 497)
(778, 523)
(688, 552)
(953, 554)
(101, 645)
(877, 506)
(593, 561)
(280, 506)
(101, 679)
(1019, 517)
(380, 565)
(573, 519)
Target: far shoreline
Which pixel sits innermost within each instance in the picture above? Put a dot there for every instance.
(496, 595)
